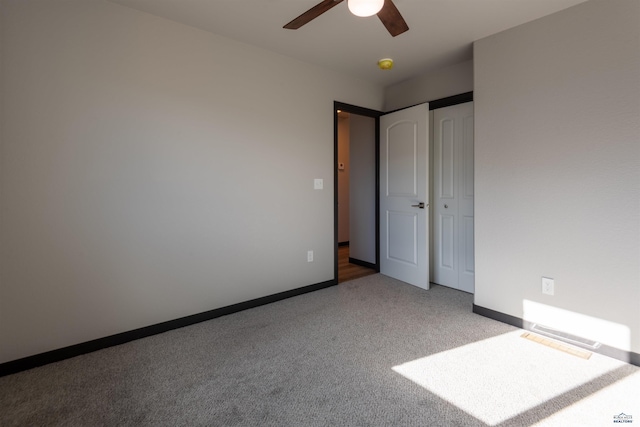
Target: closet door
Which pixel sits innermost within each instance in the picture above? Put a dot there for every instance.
(453, 227)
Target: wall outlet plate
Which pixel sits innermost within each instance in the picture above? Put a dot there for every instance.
(309, 256)
(548, 286)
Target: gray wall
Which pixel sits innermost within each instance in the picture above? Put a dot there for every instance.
(362, 229)
(557, 160)
(343, 179)
(441, 83)
(150, 170)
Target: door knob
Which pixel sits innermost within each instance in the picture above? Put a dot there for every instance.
(446, 206)
(419, 205)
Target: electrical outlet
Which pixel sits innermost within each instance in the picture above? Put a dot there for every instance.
(318, 184)
(309, 256)
(548, 286)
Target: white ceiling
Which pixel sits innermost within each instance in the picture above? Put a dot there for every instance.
(440, 33)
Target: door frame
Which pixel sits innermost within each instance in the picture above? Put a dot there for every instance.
(367, 112)
(361, 111)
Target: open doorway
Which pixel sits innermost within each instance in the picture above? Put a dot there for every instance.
(349, 257)
(356, 192)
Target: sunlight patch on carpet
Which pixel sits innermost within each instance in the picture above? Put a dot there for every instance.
(502, 377)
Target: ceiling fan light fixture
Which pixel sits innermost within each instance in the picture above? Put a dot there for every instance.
(365, 8)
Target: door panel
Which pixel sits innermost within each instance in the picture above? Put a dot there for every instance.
(445, 267)
(467, 159)
(401, 225)
(469, 259)
(447, 246)
(446, 157)
(401, 160)
(403, 186)
(453, 259)
(466, 275)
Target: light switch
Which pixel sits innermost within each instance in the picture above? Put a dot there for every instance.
(318, 184)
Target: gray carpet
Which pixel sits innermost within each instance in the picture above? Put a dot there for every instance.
(371, 352)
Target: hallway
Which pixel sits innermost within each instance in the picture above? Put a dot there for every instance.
(348, 271)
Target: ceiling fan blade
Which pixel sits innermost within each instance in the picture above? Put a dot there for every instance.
(311, 14)
(391, 18)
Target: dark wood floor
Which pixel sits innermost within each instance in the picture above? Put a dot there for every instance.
(347, 271)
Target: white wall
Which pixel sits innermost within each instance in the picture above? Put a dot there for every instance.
(557, 160)
(437, 84)
(362, 201)
(150, 171)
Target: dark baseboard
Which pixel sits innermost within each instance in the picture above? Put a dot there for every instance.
(362, 263)
(41, 359)
(616, 353)
(500, 317)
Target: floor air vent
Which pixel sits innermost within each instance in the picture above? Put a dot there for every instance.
(557, 345)
(566, 337)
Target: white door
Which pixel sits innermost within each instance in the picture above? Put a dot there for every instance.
(404, 211)
(453, 245)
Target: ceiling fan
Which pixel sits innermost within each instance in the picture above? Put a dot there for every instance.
(385, 9)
